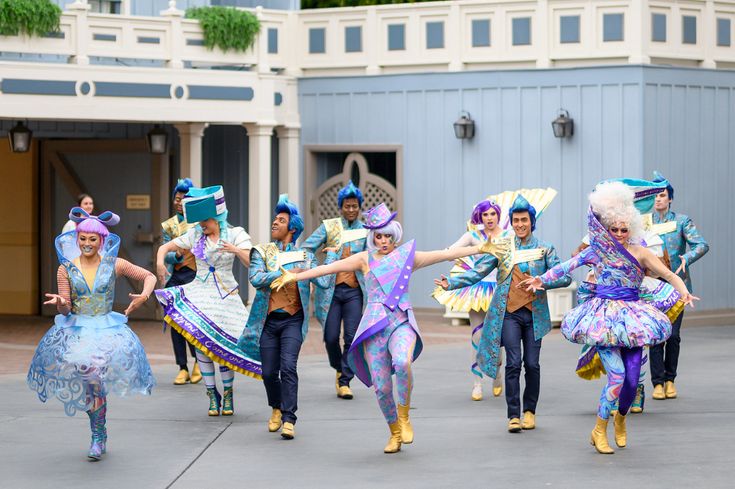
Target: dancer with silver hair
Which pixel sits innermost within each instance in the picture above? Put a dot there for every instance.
(616, 321)
(388, 339)
(90, 351)
(475, 299)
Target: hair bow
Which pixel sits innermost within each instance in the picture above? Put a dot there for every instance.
(108, 218)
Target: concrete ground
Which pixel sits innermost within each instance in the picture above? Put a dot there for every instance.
(167, 440)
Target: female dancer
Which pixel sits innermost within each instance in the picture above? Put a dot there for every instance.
(388, 339)
(616, 321)
(208, 311)
(90, 351)
(475, 299)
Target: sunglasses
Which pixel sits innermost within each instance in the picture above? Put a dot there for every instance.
(618, 230)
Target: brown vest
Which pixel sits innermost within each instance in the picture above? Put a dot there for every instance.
(518, 298)
(287, 299)
(347, 278)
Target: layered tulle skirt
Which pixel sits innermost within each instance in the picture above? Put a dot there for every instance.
(80, 351)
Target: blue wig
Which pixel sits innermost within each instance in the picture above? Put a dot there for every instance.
(182, 186)
(349, 192)
(657, 177)
(523, 205)
(295, 222)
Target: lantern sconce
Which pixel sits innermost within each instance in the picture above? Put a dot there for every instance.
(464, 127)
(20, 138)
(563, 125)
(157, 139)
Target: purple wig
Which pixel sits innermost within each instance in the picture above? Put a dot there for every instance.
(93, 226)
(484, 206)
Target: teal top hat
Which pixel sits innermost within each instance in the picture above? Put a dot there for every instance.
(658, 178)
(521, 204)
(201, 204)
(644, 191)
(378, 217)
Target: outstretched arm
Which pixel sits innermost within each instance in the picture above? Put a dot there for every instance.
(558, 275)
(482, 268)
(651, 262)
(127, 269)
(324, 281)
(426, 258)
(352, 263)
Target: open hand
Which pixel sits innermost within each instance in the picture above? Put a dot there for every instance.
(285, 279)
(161, 273)
(689, 299)
(54, 300)
(229, 247)
(683, 267)
(532, 284)
(136, 300)
(443, 282)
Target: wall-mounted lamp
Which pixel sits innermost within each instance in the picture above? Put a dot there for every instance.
(20, 138)
(563, 125)
(157, 139)
(464, 128)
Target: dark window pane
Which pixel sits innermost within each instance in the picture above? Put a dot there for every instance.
(272, 40)
(723, 32)
(612, 27)
(396, 37)
(569, 28)
(434, 35)
(353, 39)
(480, 33)
(317, 42)
(658, 27)
(522, 31)
(689, 29)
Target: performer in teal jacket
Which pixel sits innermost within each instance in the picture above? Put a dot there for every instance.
(678, 232)
(342, 302)
(515, 316)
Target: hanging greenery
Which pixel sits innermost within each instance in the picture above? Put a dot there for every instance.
(30, 17)
(226, 27)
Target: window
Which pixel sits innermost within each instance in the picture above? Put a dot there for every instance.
(723, 32)
(480, 33)
(521, 31)
(658, 27)
(396, 37)
(353, 39)
(569, 29)
(434, 35)
(689, 29)
(317, 40)
(272, 40)
(612, 27)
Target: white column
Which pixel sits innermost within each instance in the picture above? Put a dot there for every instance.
(708, 36)
(81, 32)
(640, 33)
(540, 33)
(453, 38)
(289, 178)
(176, 36)
(190, 137)
(261, 43)
(259, 184)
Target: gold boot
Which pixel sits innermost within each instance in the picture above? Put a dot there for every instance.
(529, 421)
(406, 428)
(477, 392)
(658, 392)
(182, 377)
(670, 390)
(344, 392)
(274, 424)
(196, 374)
(620, 432)
(514, 425)
(598, 438)
(288, 432)
(394, 442)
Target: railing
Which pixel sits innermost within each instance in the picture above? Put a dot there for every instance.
(441, 36)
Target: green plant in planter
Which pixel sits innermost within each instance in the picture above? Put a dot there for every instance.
(226, 27)
(30, 17)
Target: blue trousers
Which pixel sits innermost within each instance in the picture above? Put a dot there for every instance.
(280, 343)
(182, 276)
(664, 357)
(517, 331)
(346, 308)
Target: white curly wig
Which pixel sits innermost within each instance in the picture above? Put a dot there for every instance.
(393, 229)
(612, 202)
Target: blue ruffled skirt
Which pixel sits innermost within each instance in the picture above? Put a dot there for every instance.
(80, 351)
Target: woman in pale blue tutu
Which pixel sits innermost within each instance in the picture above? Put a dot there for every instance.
(90, 351)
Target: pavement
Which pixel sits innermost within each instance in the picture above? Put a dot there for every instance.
(167, 440)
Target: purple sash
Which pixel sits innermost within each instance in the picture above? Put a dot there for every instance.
(617, 293)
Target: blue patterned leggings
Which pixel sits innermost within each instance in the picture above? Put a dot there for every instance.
(623, 367)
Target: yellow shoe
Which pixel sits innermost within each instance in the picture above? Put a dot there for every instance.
(394, 442)
(598, 438)
(274, 424)
(529, 421)
(336, 382)
(514, 425)
(196, 374)
(182, 378)
(405, 423)
(288, 432)
(477, 392)
(344, 392)
(497, 390)
(658, 392)
(621, 435)
(670, 390)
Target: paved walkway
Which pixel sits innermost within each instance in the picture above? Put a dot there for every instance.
(167, 440)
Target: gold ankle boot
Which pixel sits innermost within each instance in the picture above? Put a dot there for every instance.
(344, 392)
(670, 390)
(196, 374)
(394, 442)
(477, 392)
(658, 392)
(620, 431)
(274, 424)
(529, 421)
(514, 425)
(405, 422)
(182, 377)
(598, 437)
(288, 432)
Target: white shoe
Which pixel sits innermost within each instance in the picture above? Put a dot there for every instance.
(477, 392)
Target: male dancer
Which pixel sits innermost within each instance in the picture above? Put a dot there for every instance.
(342, 301)
(516, 317)
(182, 266)
(677, 231)
(277, 324)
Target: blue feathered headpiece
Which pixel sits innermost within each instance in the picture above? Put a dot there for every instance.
(295, 222)
(523, 205)
(182, 185)
(349, 192)
(657, 177)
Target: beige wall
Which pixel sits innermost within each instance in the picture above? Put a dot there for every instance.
(19, 292)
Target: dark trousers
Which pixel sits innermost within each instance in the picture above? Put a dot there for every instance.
(280, 343)
(517, 330)
(664, 357)
(346, 307)
(180, 277)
